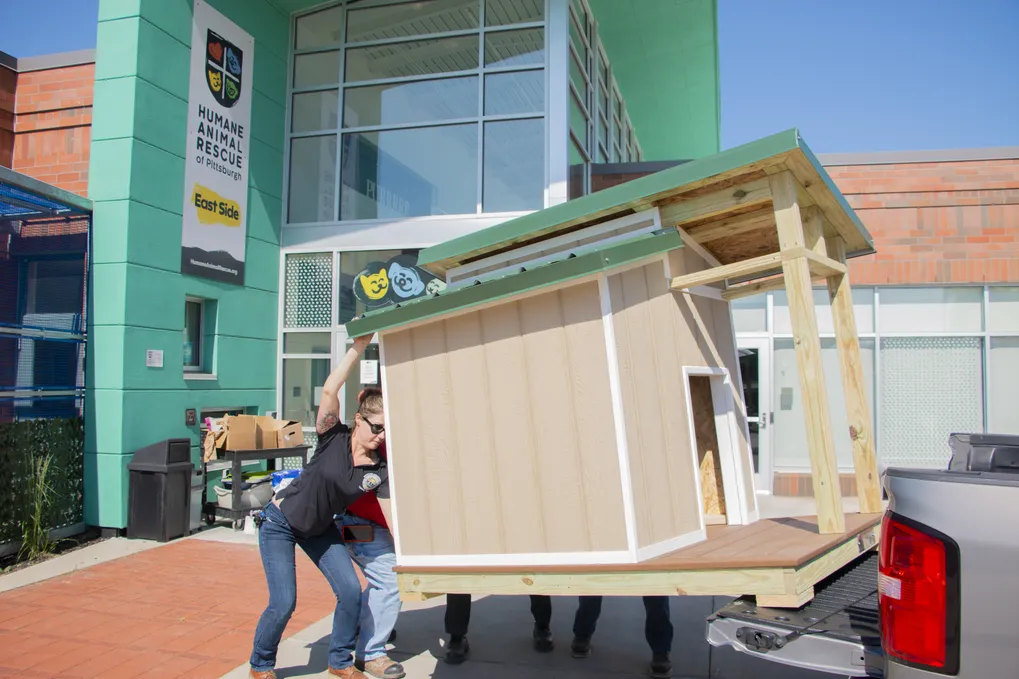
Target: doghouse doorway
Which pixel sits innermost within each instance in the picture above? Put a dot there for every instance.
(712, 421)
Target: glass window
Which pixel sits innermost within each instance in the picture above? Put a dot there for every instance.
(1003, 311)
(410, 173)
(412, 18)
(578, 121)
(514, 176)
(314, 111)
(1003, 386)
(577, 40)
(515, 92)
(307, 342)
(603, 131)
(750, 314)
(418, 101)
(319, 29)
(315, 70)
(312, 179)
(308, 289)
(578, 171)
(790, 432)
(55, 286)
(503, 12)
(303, 379)
(193, 312)
(352, 264)
(577, 76)
(863, 310)
(515, 48)
(930, 388)
(916, 310)
(405, 59)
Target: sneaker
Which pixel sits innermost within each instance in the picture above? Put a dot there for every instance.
(382, 667)
(661, 666)
(581, 647)
(457, 650)
(543, 639)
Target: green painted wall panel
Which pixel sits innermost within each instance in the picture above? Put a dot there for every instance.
(255, 319)
(107, 504)
(155, 237)
(106, 343)
(262, 265)
(109, 172)
(163, 60)
(268, 120)
(157, 177)
(112, 112)
(116, 50)
(109, 284)
(271, 76)
(265, 171)
(264, 215)
(157, 118)
(105, 434)
(118, 9)
(173, 17)
(112, 218)
(262, 21)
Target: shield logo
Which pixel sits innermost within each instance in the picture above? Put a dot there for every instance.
(223, 69)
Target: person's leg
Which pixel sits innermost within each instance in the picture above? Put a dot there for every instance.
(276, 546)
(328, 552)
(380, 603)
(541, 610)
(458, 619)
(584, 623)
(658, 633)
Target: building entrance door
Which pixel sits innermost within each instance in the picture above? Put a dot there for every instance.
(755, 376)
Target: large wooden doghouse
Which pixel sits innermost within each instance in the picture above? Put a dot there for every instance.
(566, 416)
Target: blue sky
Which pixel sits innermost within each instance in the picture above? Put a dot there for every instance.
(853, 75)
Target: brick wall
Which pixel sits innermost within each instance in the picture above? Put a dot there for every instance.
(8, 83)
(932, 223)
(52, 125)
(936, 223)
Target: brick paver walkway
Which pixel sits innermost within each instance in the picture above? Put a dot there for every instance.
(186, 609)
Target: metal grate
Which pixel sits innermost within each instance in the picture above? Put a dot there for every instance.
(309, 291)
(930, 387)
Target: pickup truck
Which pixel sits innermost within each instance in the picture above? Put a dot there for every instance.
(939, 596)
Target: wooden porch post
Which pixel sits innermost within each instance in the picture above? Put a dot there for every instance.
(864, 455)
(807, 343)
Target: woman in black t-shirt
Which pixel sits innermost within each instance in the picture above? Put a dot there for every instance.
(346, 465)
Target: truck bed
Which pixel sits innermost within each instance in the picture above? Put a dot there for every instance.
(842, 618)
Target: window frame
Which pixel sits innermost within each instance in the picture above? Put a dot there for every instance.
(202, 367)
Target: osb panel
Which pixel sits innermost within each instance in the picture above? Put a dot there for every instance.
(707, 445)
(736, 248)
(651, 354)
(502, 433)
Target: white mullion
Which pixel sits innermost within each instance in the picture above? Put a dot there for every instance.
(281, 310)
(312, 89)
(987, 358)
(877, 373)
(417, 37)
(479, 175)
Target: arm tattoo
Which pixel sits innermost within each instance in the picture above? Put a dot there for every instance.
(326, 421)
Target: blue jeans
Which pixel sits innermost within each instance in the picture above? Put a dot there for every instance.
(380, 602)
(276, 543)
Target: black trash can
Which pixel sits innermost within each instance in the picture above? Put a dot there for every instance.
(159, 491)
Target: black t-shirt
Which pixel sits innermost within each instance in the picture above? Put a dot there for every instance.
(329, 483)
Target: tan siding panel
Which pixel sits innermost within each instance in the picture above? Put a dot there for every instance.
(483, 519)
(405, 446)
(513, 430)
(441, 457)
(557, 465)
(595, 430)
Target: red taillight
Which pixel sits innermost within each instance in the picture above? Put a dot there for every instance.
(913, 586)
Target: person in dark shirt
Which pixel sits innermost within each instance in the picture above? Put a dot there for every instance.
(346, 465)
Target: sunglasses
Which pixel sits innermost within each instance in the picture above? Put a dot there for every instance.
(375, 428)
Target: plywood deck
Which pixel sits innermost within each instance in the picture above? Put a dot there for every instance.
(777, 560)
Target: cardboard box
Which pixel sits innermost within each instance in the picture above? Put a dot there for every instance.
(258, 432)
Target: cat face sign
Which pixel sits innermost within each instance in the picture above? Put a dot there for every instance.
(405, 280)
(435, 286)
(375, 285)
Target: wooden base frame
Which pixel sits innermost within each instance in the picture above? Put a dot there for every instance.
(777, 560)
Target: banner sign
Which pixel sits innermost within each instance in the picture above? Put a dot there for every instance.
(398, 280)
(216, 161)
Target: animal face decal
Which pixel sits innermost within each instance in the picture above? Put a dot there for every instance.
(375, 285)
(394, 282)
(406, 281)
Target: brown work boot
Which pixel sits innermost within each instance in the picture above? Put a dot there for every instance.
(267, 674)
(382, 667)
(347, 673)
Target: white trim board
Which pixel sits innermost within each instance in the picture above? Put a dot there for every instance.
(618, 416)
(390, 457)
(521, 559)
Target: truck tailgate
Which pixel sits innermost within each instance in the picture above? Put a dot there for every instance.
(837, 632)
